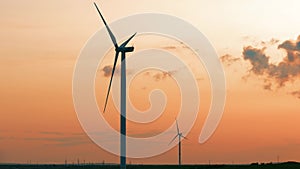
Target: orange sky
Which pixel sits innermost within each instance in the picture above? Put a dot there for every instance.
(41, 40)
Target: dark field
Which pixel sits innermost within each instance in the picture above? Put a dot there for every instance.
(287, 165)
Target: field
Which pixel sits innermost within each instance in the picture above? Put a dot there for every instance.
(287, 165)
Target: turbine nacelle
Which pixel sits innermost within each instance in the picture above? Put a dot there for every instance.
(124, 49)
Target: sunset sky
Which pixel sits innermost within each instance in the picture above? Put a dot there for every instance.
(257, 42)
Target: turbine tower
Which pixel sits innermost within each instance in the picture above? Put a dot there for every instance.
(123, 49)
(179, 135)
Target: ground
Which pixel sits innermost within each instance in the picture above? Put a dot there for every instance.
(287, 165)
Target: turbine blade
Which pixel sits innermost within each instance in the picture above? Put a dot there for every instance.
(184, 137)
(177, 127)
(126, 42)
(111, 78)
(112, 37)
(173, 139)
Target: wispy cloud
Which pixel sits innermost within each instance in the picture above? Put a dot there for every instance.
(59, 138)
(229, 59)
(158, 76)
(169, 47)
(175, 46)
(273, 41)
(107, 70)
(162, 75)
(144, 134)
(51, 133)
(255, 41)
(296, 94)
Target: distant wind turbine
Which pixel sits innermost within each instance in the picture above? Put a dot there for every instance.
(123, 49)
(179, 135)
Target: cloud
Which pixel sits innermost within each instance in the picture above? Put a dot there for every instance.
(292, 48)
(144, 134)
(273, 75)
(229, 59)
(287, 70)
(156, 76)
(51, 133)
(273, 41)
(169, 47)
(60, 141)
(59, 138)
(257, 58)
(176, 46)
(8, 138)
(200, 78)
(108, 69)
(268, 86)
(161, 75)
(255, 41)
(296, 94)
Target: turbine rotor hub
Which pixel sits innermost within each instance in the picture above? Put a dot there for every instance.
(125, 49)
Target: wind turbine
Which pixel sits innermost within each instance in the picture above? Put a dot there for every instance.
(179, 135)
(123, 49)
